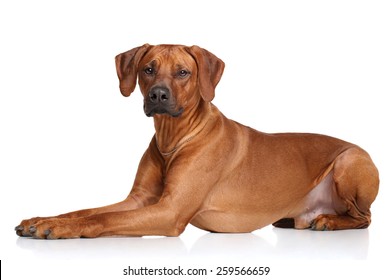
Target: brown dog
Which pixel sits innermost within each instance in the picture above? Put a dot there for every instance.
(204, 169)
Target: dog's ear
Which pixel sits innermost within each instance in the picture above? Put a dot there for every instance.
(210, 70)
(126, 65)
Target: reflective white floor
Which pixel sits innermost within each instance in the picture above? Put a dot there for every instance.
(270, 243)
(356, 253)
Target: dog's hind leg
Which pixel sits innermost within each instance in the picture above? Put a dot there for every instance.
(356, 183)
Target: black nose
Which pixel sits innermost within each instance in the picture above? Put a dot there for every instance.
(159, 94)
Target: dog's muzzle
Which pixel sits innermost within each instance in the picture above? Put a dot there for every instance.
(160, 100)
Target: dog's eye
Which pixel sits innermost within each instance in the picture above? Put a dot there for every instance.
(149, 71)
(183, 73)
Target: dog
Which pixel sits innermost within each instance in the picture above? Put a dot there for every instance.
(214, 173)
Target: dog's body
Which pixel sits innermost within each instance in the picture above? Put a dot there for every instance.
(204, 169)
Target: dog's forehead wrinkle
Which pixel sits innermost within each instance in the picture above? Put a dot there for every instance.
(180, 66)
(152, 63)
(178, 54)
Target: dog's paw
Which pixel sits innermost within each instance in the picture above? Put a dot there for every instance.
(48, 228)
(56, 228)
(23, 229)
(323, 222)
(60, 228)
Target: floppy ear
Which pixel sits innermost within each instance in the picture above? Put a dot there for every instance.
(126, 66)
(210, 70)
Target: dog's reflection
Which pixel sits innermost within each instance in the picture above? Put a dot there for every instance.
(272, 244)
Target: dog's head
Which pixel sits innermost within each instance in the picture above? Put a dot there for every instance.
(172, 78)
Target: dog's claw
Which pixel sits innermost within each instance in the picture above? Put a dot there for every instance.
(313, 226)
(19, 228)
(47, 232)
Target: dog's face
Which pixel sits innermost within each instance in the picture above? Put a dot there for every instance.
(172, 78)
(167, 79)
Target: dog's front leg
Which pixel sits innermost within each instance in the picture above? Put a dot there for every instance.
(26, 229)
(156, 219)
(179, 203)
(146, 190)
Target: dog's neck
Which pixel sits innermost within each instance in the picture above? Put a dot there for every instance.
(173, 132)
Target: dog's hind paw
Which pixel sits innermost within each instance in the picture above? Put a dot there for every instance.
(323, 222)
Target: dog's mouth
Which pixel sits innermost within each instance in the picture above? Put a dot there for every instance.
(150, 112)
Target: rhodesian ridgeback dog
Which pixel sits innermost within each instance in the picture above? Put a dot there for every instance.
(214, 173)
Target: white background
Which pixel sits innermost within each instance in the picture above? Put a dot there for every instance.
(69, 140)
